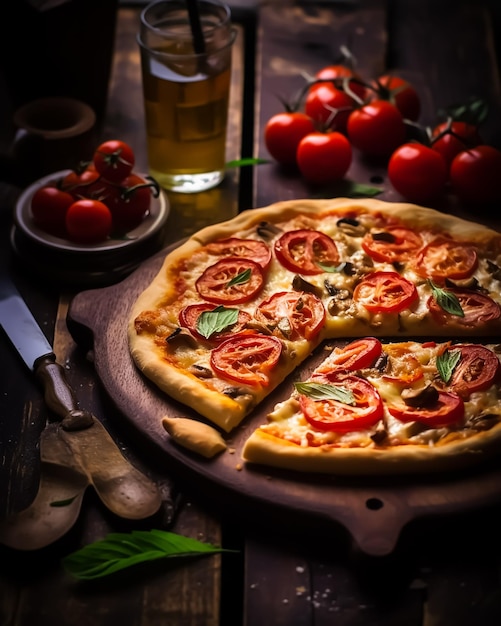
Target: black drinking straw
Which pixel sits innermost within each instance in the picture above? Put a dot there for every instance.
(196, 27)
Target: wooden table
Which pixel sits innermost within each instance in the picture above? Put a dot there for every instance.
(445, 569)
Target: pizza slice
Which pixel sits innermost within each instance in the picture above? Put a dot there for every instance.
(377, 408)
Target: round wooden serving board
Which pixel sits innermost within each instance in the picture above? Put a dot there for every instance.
(374, 511)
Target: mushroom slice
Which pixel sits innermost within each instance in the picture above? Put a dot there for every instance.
(300, 284)
(421, 397)
(267, 230)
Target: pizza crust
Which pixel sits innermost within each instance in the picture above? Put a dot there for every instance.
(195, 436)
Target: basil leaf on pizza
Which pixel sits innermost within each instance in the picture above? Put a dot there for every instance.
(446, 363)
(215, 321)
(323, 391)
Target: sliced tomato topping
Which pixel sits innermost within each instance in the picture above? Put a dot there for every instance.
(392, 244)
(258, 251)
(356, 355)
(189, 318)
(292, 314)
(448, 409)
(330, 414)
(477, 369)
(478, 309)
(443, 258)
(305, 251)
(232, 279)
(246, 359)
(385, 292)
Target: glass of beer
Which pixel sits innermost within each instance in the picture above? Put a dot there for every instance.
(186, 69)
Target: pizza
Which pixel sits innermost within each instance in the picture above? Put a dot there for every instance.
(241, 305)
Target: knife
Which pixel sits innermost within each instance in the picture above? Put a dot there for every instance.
(123, 489)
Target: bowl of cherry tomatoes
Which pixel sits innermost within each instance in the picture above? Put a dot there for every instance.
(93, 225)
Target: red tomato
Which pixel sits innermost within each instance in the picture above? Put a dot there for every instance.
(305, 251)
(86, 184)
(478, 310)
(448, 409)
(444, 258)
(247, 359)
(417, 172)
(358, 354)
(474, 175)
(393, 244)
(48, 208)
(253, 249)
(477, 369)
(340, 73)
(88, 221)
(328, 106)
(292, 314)
(189, 318)
(400, 93)
(114, 160)
(130, 201)
(451, 138)
(282, 135)
(377, 128)
(232, 279)
(324, 157)
(386, 292)
(333, 415)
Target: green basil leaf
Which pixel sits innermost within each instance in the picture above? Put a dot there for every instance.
(446, 300)
(246, 161)
(210, 322)
(240, 278)
(324, 391)
(118, 551)
(447, 362)
(332, 268)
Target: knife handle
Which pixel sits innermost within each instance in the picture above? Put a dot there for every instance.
(58, 394)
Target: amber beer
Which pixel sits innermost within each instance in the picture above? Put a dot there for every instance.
(186, 96)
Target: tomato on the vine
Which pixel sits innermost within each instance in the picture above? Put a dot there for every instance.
(474, 175)
(340, 73)
(451, 138)
(283, 132)
(324, 157)
(114, 160)
(88, 221)
(48, 208)
(400, 93)
(329, 106)
(129, 201)
(417, 172)
(85, 184)
(377, 128)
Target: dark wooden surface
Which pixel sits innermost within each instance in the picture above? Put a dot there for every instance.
(445, 568)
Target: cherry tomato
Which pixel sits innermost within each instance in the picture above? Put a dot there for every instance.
(333, 415)
(478, 309)
(253, 249)
(477, 369)
(305, 251)
(86, 184)
(88, 221)
(385, 292)
(328, 106)
(376, 128)
(444, 258)
(189, 318)
(400, 93)
(247, 359)
(129, 202)
(282, 135)
(451, 138)
(393, 244)
(293, 315)
(114, 160)
(474, 175)
(324, 157)
(358, 354)
(48, 208)
(448, 409)
(341, 72)
(417, 172)
(232, 279)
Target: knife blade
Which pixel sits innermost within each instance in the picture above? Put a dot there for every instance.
(35, 350)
